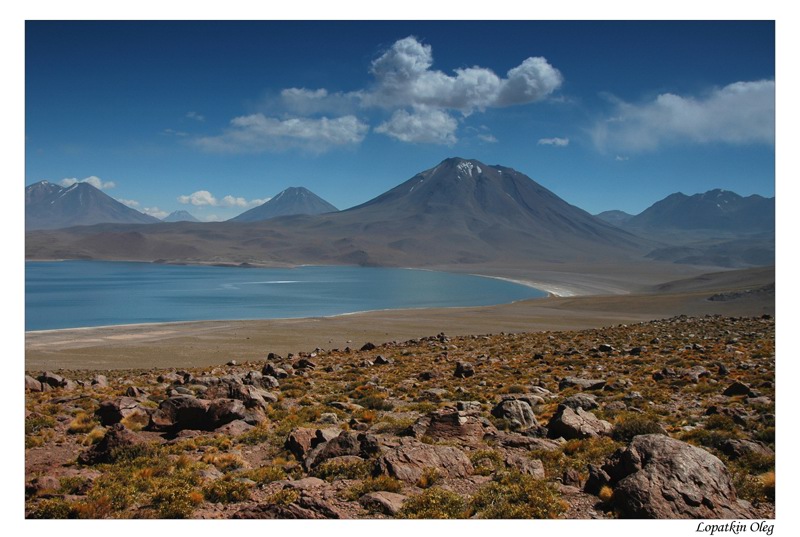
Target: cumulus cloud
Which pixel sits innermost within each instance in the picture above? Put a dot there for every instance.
(155, 211)
(558, 142)
(92, 180)
(421, 126)
(307, 102)
(203, 198)
(129, 203)
(488, 138)
(740, 113)
(257, 133)
(403, 77)
(195, 116)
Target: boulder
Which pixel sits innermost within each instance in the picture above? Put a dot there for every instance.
(411, 458)
(449, 424)
(388, 503)
(56, 381)
(583, 384)
(180, 412)
(115, 410)
(660, 477)
(735, 448)
(223, 411)
(299, 442)
(346, 443)
(569, 424)
(382, 360)
(738, 388)
(272, 370)
(518, 413)
(525, 464)
(464, 370)
(32, 385)
(586, 401)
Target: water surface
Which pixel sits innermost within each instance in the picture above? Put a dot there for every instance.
(71, 294)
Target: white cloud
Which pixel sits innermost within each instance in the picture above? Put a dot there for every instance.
(304, 102)
(621, 158)
(92, 180)
(205, 198)
(558, 142)
(129, 203)
(256, 133)
(195, 116)
(155, 211)
(740, 113)
(173, 132)
(488, 138)
(404, 78)
(421, 126)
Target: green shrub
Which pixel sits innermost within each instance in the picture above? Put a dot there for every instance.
(517, 495)
(434, 502)
(626, 429)
(53, 508)
(486, 461)
(429, 477)
(266, 474)
(332, 470)
(227, 490)
(380, 483)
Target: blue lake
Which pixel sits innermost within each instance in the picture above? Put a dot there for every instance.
(71, 294)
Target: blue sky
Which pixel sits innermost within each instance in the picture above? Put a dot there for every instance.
(215, 117)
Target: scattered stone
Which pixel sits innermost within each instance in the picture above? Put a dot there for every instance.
(735, 448)
(115, 410)
(464, 370)
(32, 385)
(585, 401)
(738, 388)
(368, 347)
(328, 418)
(525, 464)
(271, 370)
(411, 458)
(116, 439)
(517, 412)
(570, 424)
(603, 347)
(382, 360)
(584, 384)
(388, 503)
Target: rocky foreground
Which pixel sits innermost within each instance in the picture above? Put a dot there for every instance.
(666, 419)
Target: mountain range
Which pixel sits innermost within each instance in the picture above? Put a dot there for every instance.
(459, 212)
(51, 206)
(293, 200)
(180, 216)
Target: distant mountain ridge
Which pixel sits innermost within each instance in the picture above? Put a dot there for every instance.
(713, 210)
(459, 212)
(614, 217)
(50, 206)
(292, 201)
(180, 216)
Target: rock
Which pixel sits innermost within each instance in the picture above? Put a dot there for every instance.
(696, 373)
(170, 378)
(32, 385)
(525, 464)
(597, 479)
(388, 503)
(56, 381)
(660, 477)
(115, 410)
(604, 347)
(346, 443)
(180, 412)
(232, 363)
(516, 440)
(434, 394)
(251, 396)
(722, 370)
(306, 483)
(531, 398)
(258, 379)
(328, 418)
(463, 370)
(585, 401)
(583, 384)
(368, 347)
(305, 363)
(382, 360)
(738, 388)
(570, 424)
(272, 370)
(518, 413)
(299, 442)
(469, 406)
(223, 411)
(133, 391)
(735, 448)
(234, 428)
(116, 439)
(100, 381)
(411, 458)
(448, 424)
(571, 477)
(427, 375)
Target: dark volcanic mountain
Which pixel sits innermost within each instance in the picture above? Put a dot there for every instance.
(461, 211)
(180, 216)
(719, 210)
(614, 217)
(293, 200)
(49, 206)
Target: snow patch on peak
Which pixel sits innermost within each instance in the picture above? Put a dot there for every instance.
(466, 168)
